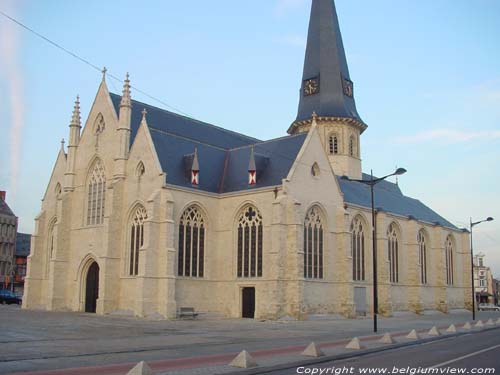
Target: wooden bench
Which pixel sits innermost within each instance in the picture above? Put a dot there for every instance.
(187, 312)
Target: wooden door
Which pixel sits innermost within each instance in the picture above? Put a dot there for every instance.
(248, 302)
(92, 288)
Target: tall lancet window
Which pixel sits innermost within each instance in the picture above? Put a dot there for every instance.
(191, 251)
(333, 144)
(352, 146)
(422, 256)
(96, 195)
(358, 249)
(449, 260)
(313, 245)
(136, 239)
(393, 253)
(250, 238)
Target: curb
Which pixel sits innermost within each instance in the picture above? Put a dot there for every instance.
(361, 353)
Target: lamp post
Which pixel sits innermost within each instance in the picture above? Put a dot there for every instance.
(372, 182)
(472, 224)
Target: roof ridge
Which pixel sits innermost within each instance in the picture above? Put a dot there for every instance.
(194, 119)
(268, 141)
(186, 138)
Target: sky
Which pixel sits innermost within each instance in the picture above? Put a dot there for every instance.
(426, 79)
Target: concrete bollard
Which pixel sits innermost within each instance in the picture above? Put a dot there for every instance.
(413, 335)
(490, 322)
(355, 344)
(386, 339)
(434, 332)
(243, 360)
(141, 368)
(498, 321)
(313, 350)
(467, 326)
(451, 329)
(479, 324)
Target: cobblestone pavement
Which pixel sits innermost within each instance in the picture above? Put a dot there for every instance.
(35, 340)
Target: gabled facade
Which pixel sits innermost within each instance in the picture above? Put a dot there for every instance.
(149, 211)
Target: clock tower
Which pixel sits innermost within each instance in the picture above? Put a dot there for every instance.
(328, 91)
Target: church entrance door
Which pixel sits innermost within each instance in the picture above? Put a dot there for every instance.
(92, 288)
(248, 303)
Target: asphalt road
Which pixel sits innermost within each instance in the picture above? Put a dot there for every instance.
(475, 353)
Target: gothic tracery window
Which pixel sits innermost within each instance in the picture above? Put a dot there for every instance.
(393, 253)
(191, 251)
(313, 244)
(96, 195)
(422, 256)
(358, 249)
(449, 260)
(250, 239)
(136, 239)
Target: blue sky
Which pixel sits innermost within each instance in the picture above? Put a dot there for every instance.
(426, 76)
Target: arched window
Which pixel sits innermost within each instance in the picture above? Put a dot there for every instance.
(393, 254)
(140, 170)
(96, 195)
(358, 250)
(422, 256)
(449, 260)
(58, 190)
(136, 239)
(250, 243)
(315, 171)
(313, 245)
(351, 146)
(51, 244)
(333, 144)
(191, 252)
(99, 125)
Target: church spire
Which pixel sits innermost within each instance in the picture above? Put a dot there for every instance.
(326, 85)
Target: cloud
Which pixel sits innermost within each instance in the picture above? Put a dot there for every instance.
(284, 6)
(450, 136)
(9, 64)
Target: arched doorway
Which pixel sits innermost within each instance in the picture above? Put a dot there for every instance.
(92, 288)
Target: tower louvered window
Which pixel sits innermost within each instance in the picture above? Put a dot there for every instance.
(250, 239)
(191, 251)
(333, 144)
(313, 245)
(358, 250)
(96, 195)
(422, 256)
(393, 253)
(136, 239)
(449, 260)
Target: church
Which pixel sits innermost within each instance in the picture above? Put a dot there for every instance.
(148, 212)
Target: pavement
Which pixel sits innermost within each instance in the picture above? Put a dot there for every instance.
(76, 343)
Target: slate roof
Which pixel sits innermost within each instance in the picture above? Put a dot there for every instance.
(389, 198)
(5, 209)
(325, 59)
(172, 123)
(23, 244)
(223, 155)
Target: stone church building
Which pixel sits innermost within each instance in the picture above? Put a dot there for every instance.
(148, 211)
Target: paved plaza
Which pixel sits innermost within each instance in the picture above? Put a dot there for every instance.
(35, 340)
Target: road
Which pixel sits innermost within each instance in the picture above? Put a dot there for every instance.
(478, 352)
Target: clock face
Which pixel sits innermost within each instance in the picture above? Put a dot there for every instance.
(348, 89)
(311, 86)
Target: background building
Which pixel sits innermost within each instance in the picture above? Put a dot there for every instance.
(8, 230)
(23, 245)
(483, 281)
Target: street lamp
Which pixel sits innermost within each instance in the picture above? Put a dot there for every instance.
(372, 182)
(472, 224)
